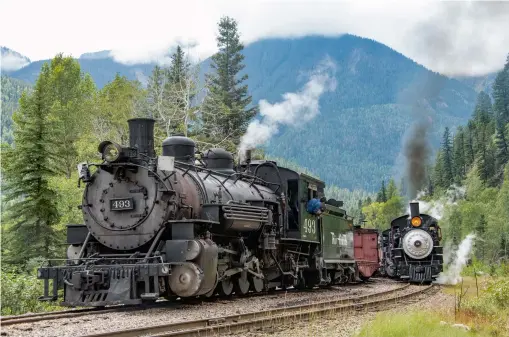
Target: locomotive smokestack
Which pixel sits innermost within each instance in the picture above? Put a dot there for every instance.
(414, 209)
(141, 135)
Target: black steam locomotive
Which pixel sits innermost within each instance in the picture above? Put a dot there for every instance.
(177, 226)
(411, 249)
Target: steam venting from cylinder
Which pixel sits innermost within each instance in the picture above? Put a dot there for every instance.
(414, 209)
(141, 135)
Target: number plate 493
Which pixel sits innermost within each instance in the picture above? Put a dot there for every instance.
(121, 204)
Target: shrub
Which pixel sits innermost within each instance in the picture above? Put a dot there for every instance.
(20, 291)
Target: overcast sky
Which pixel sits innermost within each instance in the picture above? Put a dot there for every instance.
(452, 38)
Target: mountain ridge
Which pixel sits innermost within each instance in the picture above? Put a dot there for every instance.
(353, 135)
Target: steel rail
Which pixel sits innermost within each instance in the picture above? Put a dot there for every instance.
(36, 317)
(241, 322)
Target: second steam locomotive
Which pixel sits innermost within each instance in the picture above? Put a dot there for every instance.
(410, 248)
(176, 226)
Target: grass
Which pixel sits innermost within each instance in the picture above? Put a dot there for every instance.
(413, 324)
(482, 305)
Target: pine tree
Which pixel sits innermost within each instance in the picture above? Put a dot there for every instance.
(503, 246)
(448, 173)
(438, 172)
(469, 148)
(31, 212)
(382, 194)
(483, 112)
(179, 67)
(481, 229)
(501, 94)
(485, 165)
(155, 93)
(454, 230)
(502, 151)
(459, 155)
(225, 110)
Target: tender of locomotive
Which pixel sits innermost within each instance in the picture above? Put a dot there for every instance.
(176, 226)
(411, 249)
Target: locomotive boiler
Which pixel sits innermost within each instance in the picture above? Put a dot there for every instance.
(411, 249)
(176, 225)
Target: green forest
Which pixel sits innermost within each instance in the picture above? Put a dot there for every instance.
(468, 181)
(59, 122)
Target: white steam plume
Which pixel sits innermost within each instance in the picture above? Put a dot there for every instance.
(453, 273)
(436, 208)
(300, 107)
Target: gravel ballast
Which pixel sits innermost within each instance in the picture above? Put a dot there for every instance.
(100, 323)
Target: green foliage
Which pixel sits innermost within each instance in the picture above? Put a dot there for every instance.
(31, 213)
(20, 290)
(382, 194)
(412, 324)
(10, 94)
(72, 94)
(380, 214)
(225, 109)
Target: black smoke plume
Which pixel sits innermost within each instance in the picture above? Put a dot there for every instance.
(416, 150)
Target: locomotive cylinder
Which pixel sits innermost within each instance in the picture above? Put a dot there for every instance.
(414, 209)
(141, 135)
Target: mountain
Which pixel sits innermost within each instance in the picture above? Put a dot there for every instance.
(11, 60)
(480, 83)
(100, 65)
(356, 139)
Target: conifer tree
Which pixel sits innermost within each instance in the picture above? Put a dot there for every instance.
(31, 211)
(179, 67)
(501, 94)
(502, 151)
(481, 229)
(485, 156)
(483, 112)
(382, 194)
(225, 110)
(447, 160)
(438, 172)
(155, 93)
(469, 148)
(459, 155)
(503, 245)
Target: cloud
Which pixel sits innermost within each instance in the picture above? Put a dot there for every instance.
(11, 61)
(144, 31)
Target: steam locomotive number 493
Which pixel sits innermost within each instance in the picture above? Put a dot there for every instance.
(121, 204)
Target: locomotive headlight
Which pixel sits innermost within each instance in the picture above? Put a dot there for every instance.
(416, 221)
(110, 152)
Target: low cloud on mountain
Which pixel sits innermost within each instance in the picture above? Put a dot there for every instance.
(454, 38)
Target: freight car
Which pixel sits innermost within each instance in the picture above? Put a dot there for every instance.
(410, 248)
(176, 225)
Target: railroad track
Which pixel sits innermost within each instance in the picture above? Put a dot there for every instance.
(46, 316)
(219, 326)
